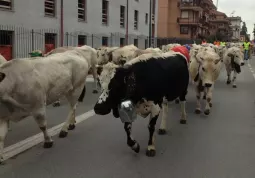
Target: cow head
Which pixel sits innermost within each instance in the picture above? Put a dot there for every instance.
(113, 89)
(102, 56)
(209, 67)
(236, 59)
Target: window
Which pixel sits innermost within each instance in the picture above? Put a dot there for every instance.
(184, 30)
(104, 41)
(136, 20)
(122, 42)
(146, 18)
(50, 41)
(50, 38)
(6, 4)
(136, 42)
(6, 37)
(82, 40)
(185, 14)
(81, 10)
(122, 16)
(105, 7)
(49, 8)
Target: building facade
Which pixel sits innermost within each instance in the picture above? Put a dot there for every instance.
(235, 27)
(188, 19)
(36, 24)
(221, 25)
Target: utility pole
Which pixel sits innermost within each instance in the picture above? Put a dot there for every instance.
(61, 23)
(127, 24)
(150, 25)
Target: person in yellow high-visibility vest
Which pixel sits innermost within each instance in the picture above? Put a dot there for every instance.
(223, 43)
(246, 46)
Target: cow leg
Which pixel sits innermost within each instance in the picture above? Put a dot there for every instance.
(94, 73)
(3, 133)
(165, 111)
(183, 108)
(130, 141)
(208, 101)
(177, 101)
(198, 95)
(228, 74)
(56, 103)
(72, 98)
(40, 118)
(151, 150)
(234, 79)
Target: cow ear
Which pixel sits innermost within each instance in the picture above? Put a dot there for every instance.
(2, 76)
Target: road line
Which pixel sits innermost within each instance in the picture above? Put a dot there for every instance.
(23, 145)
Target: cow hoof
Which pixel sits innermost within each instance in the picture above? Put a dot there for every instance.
(228, 82)
(177, 101)
(182, 121)
(56, 104)
(210, 104)
(1, 161)
(150, 153)
(207, 112)
(48, 144)
(71, 127)
(136, 148)
(234, 86)
(95, 91)
(161, 131)
(204, 97)
(197, 111)
(62, 134)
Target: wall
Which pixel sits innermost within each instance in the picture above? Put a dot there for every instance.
(29, 14)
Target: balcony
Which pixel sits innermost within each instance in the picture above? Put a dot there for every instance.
(220, 20)
(186, 21)
(189, 6)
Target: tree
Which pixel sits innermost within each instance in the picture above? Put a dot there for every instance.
(244, 31)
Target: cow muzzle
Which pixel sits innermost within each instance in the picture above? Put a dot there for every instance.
(208, 85)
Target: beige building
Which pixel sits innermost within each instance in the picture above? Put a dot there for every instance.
(235, 27)
(189, 19)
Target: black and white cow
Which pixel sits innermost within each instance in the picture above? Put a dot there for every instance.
(145, 80)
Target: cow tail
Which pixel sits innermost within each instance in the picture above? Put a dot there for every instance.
(82, 95)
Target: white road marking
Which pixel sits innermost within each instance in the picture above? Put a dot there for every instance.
(89, 79)
(23, 145)
(252, 71)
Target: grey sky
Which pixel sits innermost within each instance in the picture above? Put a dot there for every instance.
(243, 8)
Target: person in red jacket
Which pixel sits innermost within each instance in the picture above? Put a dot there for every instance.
(183, 50)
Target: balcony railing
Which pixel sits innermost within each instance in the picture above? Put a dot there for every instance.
(186, 21)
(189, 5)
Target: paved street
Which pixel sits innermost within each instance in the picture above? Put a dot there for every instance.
(221, 145)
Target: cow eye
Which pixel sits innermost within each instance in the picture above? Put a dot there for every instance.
(203, 68)
(236, 56)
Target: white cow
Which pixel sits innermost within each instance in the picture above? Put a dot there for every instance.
(233, 60)
(28, 86)
(121, 55)
(204, 71)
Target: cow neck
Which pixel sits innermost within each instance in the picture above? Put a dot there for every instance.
(130, 84)
(232, 62)
(197, 76)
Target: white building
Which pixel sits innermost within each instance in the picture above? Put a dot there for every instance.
(26, 25)
(236, 27)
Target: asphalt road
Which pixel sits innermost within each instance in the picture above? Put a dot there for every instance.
(217, 146)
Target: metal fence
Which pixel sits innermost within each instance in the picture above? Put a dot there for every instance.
(18, 42)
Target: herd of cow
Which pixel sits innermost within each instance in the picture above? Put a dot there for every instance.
(148, 79)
